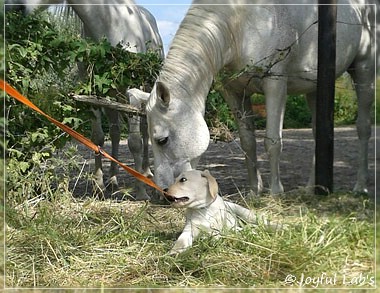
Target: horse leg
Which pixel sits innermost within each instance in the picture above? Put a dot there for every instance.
(114, 128)
(241, 108)
(97, 137)
(363, 77)
(138, 140)
(275, 90)
(136, 148)
(145, 139)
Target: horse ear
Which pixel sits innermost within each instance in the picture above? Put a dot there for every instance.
(137, 96)
(212, 184)
(162, 93)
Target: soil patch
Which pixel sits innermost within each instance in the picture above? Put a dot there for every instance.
(225, 160)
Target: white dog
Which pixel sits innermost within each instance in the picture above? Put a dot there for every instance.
(197, 191)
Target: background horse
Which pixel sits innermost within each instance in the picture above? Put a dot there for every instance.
(266, 48)
(134, 26)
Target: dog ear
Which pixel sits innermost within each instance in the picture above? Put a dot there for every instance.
(212, 184)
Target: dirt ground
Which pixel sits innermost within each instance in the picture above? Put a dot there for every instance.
(225, 160)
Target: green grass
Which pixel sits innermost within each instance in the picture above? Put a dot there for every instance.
(67, 242)
(56, 240)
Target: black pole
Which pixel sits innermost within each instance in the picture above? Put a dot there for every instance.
(324, 148)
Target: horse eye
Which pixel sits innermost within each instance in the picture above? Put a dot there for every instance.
(162, 141)
(183, 179)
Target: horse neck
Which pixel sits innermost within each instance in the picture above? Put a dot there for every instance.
(91, 13)
(202, 46)
(100, 2)
(96, 12)
(98, 17)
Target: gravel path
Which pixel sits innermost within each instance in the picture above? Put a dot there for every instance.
(225, 160)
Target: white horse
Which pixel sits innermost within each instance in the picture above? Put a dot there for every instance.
(117, 20)
(266, 48)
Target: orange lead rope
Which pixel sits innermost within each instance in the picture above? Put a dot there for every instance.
(79, 137)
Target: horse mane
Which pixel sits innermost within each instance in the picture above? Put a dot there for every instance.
(204, 34)
(198, 50)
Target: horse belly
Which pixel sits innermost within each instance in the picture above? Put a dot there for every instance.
(289, 47)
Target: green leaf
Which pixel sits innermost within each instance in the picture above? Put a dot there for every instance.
(24, 166)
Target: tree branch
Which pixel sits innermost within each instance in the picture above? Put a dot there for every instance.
(104, 102)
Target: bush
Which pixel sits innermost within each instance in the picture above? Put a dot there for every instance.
(297, 113)
(218, 112)
(345, 102)
(40, 71)
(38, 175)
(41, 63)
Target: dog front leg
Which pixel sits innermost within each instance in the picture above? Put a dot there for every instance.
(185, 240)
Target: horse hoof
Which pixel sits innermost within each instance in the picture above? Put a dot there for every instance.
(148, 173)
(112, 181)
(310, 189)
(360, 190)
(276, 189)
(98, 180)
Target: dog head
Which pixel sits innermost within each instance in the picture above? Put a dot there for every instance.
(192, 189)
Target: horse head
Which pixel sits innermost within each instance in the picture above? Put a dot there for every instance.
(178, 133)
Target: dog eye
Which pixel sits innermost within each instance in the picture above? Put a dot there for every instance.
(162, 141)
(183, 179)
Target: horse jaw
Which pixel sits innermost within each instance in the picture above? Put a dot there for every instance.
(178, 132)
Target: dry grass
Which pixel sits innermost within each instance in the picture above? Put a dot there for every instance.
(54, 240)
(67, 242)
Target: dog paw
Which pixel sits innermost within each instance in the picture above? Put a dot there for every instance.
(176, 250)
